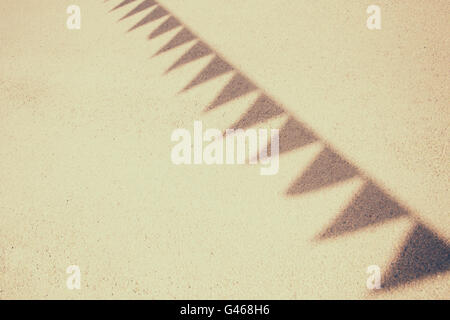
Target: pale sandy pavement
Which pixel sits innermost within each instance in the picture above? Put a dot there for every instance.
(85, 166)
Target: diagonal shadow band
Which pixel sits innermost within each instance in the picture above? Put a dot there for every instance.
(199, 50)
(182, 37)
(262, 110)
(327, 169)
(170, 24)
(215, 68)
(120, 5)
(371, 206)
(141, 7)
(156, 14)
(236, 87)
(424, 253)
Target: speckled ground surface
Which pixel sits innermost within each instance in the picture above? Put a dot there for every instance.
(85, 124)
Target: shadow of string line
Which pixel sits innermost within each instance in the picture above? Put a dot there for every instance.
(423, 253)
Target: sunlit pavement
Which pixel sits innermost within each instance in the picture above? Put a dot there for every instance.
(85, 160)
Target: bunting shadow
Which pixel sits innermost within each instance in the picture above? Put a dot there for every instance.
(141, 7)
(197, 51)
(214, 69)
(170, 24)
(371, 206)
(123, 3)
(423, 254)
(327, 169)
(154, 15)
(263, 109)
(182, 37)
(238, 86)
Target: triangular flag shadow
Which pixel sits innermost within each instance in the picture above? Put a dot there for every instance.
(423, 254)
(371, 206)
(327, 169)
(215, 68)
(166, 26)
(123, 3)
(157, 13)
(141, 7)
(294, 135)
(235, 88)
(263, 109)
(182, 37)
(197, 51)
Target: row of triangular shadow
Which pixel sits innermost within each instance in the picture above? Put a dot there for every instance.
(423, 254)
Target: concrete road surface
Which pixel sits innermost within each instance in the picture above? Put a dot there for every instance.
(86, 120)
